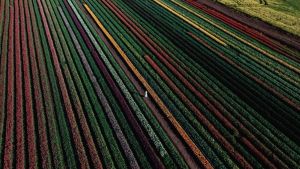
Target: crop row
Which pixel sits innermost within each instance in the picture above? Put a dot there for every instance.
(142, 84)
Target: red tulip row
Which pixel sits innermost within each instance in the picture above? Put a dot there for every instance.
(3, 69)
(29, 108)
(10, 103)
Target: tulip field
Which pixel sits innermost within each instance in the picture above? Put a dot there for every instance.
(144, 84)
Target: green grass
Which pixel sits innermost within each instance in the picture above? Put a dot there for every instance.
(284, 14)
